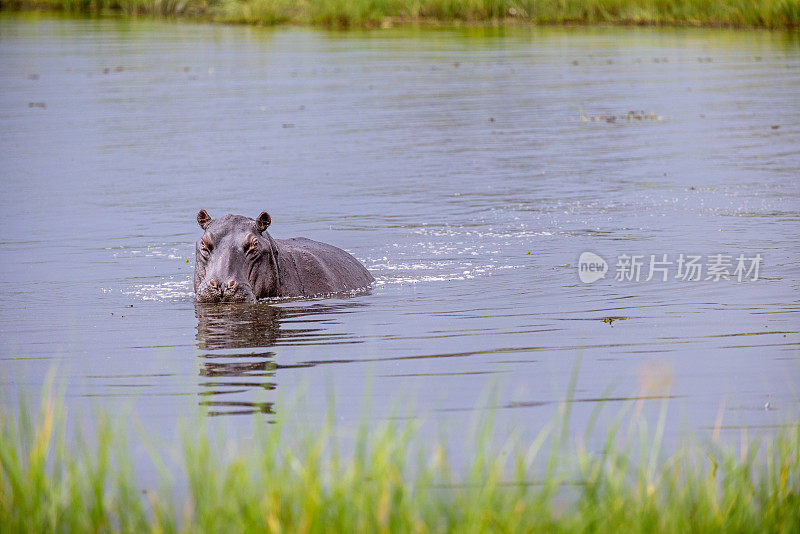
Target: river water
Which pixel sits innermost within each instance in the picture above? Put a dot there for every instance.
(468, 169)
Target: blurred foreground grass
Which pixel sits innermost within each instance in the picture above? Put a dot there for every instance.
(343, 13)
(298, 479)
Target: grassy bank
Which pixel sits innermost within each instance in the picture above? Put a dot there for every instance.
(296, 480)
(342, 13)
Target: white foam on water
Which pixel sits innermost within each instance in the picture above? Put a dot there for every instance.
(171, 290)
(161, 257)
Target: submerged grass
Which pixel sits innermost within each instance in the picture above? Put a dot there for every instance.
(342, 13)
(299, 480)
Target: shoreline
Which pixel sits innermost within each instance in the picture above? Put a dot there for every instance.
(371, 14)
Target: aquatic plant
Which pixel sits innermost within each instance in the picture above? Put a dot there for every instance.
(343, 13)
(300, 479)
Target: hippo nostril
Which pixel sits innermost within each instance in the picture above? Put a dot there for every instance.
(213, 283)
(232, 284)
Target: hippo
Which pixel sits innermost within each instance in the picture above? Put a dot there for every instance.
(238, 261)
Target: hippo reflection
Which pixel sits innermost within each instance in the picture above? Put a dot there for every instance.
(229, 375)
(237, 364)
(234, 326)
(237, 260)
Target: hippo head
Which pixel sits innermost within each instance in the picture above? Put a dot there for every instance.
(235, 260)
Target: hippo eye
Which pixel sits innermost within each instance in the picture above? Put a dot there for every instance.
(206, 247)
(251, 245)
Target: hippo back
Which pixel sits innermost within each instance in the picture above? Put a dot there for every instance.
(310, 267)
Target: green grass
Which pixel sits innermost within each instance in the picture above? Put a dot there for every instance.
(293, 478)
(343, 13)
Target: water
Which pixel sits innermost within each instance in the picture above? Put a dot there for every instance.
(468, 169)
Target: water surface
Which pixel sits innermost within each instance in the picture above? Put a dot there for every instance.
(468, 169)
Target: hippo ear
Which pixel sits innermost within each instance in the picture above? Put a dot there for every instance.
(263, 221)
(203, 219)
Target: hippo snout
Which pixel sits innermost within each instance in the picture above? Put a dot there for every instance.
(231, 291)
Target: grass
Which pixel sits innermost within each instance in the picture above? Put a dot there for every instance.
(298, 479)
(343, 13)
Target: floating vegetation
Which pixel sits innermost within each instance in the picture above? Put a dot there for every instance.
(609, 320)
(631, 116)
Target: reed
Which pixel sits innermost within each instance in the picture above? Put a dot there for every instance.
(344, 13)
(300, 479)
